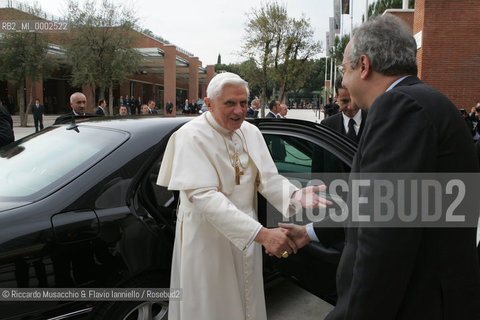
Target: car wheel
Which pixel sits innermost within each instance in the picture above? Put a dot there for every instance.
(138, 310)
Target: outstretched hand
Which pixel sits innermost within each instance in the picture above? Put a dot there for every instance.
(308, 197)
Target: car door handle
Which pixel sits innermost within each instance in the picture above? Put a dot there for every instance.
(75, 226)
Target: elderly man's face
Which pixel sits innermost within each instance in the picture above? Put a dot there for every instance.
(78, 103)
(230, 107)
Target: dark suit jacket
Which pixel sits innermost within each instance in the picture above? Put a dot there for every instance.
(270, 114)
(99, 112)
(37, 112)
(410, 273)
(66, 118)
(251, 113)
(6, 127)
(336, 123)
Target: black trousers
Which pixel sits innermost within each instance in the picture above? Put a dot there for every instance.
(38, 120)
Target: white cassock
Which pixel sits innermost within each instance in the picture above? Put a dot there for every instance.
(215, 262)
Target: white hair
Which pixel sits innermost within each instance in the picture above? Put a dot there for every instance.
(217, 83)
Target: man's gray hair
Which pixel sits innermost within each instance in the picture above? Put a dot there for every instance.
(217, 83)
(76, 93)
(388, 43)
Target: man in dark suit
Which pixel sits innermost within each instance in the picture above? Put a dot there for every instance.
(414, 272)
(102, 104)
(10, 103)
(349, 122)
(274, 107)
(38, 111)
(169, 107)
(151, 107)
(252, 111)
(6, 127)
(78, 103)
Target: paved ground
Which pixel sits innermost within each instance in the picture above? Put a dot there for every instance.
(287, 301)
(48, 120)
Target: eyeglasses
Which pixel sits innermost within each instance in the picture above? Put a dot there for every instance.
(341, 68)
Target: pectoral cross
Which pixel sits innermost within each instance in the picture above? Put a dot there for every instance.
(238, 173)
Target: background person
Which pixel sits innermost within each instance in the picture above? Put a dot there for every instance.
(38, 111)
(101, 107)
(78, 103)
(6, 127)
(349, 121)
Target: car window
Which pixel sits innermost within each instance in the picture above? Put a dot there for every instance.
(296, 155)
(38, 164)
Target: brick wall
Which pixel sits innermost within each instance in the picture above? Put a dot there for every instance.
(449, 59)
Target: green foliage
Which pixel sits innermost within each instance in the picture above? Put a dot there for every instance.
(279, 46)
(379, 7)
(100, 47)
(25, 56)
(339, 48)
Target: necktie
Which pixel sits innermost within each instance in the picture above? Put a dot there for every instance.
(351, 130)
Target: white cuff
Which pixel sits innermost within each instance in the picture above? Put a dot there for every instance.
(311, 232)
(254, 236)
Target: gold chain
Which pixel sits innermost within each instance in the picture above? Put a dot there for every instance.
(236, 158)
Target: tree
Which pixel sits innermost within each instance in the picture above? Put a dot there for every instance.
(299, 46)
(280, 46)
(100, 46)
(262, 32)
(219, 59)
(379, 7)
(339, 48)
(25, 56)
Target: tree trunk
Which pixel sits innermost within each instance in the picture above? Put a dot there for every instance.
(110, 99)
(21, 105)
(28, 107)
(92, 94)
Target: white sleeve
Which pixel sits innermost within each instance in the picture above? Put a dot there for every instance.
(235, 225)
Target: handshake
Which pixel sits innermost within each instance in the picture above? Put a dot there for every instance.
(287, 239)
(283, 241)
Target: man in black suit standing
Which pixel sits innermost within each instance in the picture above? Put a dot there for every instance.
(151, 107)
(38, 111)
(414, 272)
(169, 107)
(6, 127)
(274, 107)
(102, 104)
(252, 111)
(349, 122)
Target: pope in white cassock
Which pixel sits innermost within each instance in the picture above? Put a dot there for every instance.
(218, 162)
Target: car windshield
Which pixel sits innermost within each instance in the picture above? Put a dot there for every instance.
(39, 164)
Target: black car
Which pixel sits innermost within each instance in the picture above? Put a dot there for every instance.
(80, 208)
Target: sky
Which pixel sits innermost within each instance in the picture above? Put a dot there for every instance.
(209, 27)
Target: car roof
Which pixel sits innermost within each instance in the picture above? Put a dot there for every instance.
(136, 125)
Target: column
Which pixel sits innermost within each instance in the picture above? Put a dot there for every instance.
(170, 77)
(193, 80)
